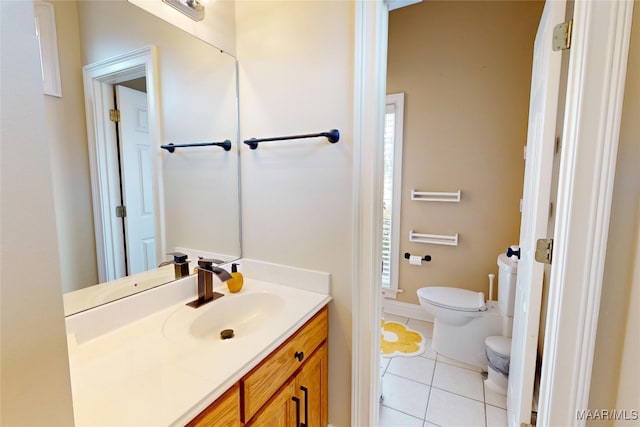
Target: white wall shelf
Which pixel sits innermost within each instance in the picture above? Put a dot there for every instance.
(434, 239)
(436, 196)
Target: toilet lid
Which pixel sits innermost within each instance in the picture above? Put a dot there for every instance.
(453, 298)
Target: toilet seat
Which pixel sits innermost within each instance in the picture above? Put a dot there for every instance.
(453, 298)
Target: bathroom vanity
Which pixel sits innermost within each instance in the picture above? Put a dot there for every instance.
(286, 388)
(151, 360)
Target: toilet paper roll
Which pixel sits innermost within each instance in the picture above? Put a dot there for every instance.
(415, 260)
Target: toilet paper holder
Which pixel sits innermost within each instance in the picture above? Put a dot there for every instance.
(407, 255)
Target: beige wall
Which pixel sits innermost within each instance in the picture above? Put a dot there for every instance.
(616, 374)
(67, 133)
(296, 76)
(628, 396)
(34, 369)
(465, 69)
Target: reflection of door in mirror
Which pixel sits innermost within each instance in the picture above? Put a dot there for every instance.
(195, 101)
(136, 180)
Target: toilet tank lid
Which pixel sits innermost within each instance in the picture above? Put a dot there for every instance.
(507, 264)
(453, 298)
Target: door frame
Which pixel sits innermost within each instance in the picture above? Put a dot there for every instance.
(596, 78)
(595, 91)
(99, 78)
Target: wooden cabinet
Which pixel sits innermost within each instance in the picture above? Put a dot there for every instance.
(302, 401)
(264, 380)
(312, 388)
(224, 412)
(288, 388)
(280, 411)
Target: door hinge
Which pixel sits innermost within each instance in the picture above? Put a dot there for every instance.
(114, 115)
(121, 211)
(544, 250)
(562, 36)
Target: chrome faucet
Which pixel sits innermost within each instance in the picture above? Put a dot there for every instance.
(206, 271)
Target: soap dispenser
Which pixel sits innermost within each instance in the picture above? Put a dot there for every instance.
(235, 283)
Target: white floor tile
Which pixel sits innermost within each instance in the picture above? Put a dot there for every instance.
(405, 395)
(414, 368)
(384, 363)
(391, 418)
(428, 424)
(394, 318)
(458, 380)
(425, 328)
(429, 352)
(496, 399)
(450, 410)
(496, 417)
(457, 363)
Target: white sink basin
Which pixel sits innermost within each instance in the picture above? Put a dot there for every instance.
(245, 313)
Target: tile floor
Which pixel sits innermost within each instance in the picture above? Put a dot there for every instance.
(432, 390)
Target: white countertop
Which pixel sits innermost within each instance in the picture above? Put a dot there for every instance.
(152, 372)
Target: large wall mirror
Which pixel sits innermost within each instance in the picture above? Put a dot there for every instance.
(185, 201)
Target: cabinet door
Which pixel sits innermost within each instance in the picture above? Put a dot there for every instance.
(263, 381)
(224, 412)
(280, 411)
(311, 389)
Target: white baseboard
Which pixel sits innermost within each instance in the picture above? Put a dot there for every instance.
(405, 309)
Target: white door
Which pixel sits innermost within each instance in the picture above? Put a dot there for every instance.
(541, 137)
(137, 181)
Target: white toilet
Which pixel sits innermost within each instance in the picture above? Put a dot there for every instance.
(463, 320)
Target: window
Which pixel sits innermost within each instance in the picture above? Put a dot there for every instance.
(394, 115)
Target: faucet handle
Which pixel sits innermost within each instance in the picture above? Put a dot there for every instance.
(205, 262)
(178, 257)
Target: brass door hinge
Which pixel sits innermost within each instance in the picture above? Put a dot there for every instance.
(114, 115)
(544, 251)
(562, 36)
(121, 211)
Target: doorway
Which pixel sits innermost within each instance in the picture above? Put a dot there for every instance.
(467, 100)
(582, 213)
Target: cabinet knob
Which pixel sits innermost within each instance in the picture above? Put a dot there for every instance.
(299, 355)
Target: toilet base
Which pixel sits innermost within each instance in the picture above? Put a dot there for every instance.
(496, 381)
(466, 343)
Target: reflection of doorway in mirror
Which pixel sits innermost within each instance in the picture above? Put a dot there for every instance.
(100, 80)
(136, 181)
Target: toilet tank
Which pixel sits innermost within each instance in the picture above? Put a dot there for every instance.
(507, 274)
